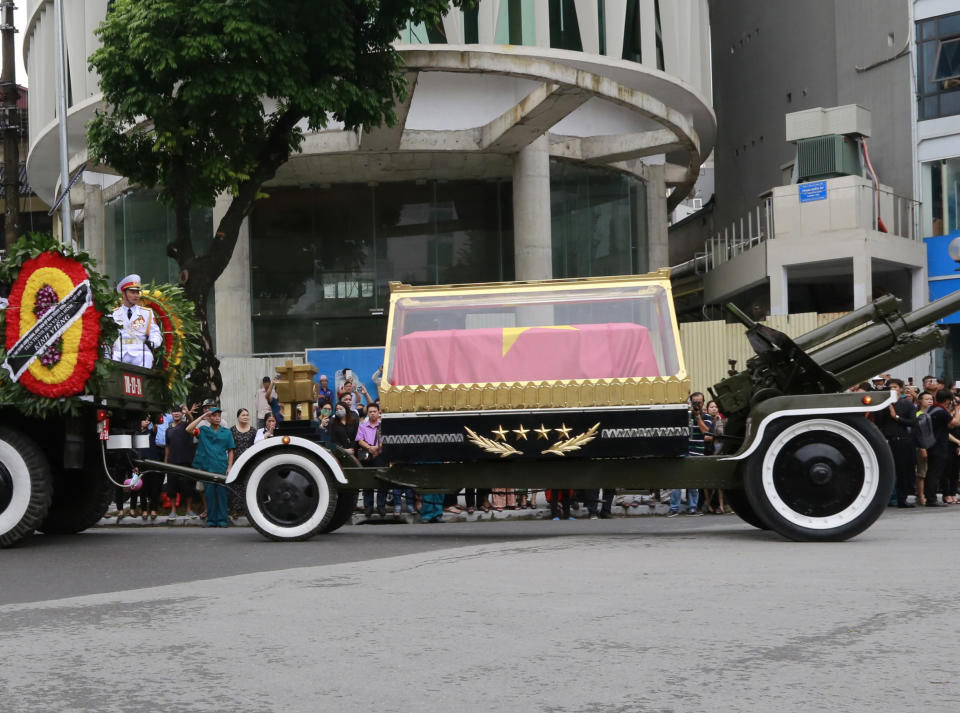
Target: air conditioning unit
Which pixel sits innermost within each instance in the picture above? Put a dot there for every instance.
(827, 157)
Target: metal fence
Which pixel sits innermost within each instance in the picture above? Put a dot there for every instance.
(741, 235)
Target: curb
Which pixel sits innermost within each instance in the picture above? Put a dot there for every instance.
(539, 513)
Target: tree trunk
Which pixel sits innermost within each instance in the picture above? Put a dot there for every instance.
(198, 273)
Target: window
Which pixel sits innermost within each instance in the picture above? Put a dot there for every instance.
(948, 61)
(471, 25)
(516, 24)
(321, 258)
(564, 30)
(632, 48)
(940, 210)
(938, 66)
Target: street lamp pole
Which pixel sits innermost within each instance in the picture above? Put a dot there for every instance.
(10, 127)
(66, 213)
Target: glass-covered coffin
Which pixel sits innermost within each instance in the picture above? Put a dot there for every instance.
(549, 344)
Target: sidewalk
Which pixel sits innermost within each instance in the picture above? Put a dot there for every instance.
(541, 512)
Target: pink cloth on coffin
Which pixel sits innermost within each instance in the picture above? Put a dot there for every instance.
(469, 356)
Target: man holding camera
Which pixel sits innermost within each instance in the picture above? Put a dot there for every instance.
(701, 426)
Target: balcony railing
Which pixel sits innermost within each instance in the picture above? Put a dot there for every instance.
(855, 206)
(741, 235)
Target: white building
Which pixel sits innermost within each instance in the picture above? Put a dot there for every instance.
(540, 138)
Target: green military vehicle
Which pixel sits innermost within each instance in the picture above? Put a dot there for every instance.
(581, 384)
(574, 383)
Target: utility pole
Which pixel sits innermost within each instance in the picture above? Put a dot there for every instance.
(10, 125)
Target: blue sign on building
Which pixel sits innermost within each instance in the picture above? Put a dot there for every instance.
(814, 191)
(363, 362)
(944, 278)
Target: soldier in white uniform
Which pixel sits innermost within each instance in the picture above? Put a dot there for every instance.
(138, 326)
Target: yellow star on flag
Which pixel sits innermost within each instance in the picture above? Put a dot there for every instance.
(521, 432)
(511, 334)
(542, 432)
(564, 430)
(500, 433)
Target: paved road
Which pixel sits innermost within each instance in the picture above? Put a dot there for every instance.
(643, 614)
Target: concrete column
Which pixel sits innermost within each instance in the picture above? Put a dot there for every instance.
(532, 245)
(779, 295)
(232, 290)
(658, 251)
(94, 238)
(862, 280)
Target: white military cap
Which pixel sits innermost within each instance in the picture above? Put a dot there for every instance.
(130, 282)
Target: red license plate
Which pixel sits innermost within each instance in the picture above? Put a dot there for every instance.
(132, 385)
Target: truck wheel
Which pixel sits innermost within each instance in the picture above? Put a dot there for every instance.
(737, 499)
(820, 479)
(289, 496)
(24, 487)
(80, 498)
(346, 503)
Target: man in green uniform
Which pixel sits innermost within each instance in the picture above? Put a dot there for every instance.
(214, 454)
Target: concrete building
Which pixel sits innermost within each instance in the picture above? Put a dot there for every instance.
(540, 138)
(773, 247)
(936, 53)
(777, 57)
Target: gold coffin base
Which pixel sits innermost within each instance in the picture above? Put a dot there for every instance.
(535, 394)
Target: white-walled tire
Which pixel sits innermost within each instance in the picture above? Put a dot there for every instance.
(820, 479)
(25, 488)
(289, 495)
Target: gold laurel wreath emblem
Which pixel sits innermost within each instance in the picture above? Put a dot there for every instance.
(561, 448)
(503, 449)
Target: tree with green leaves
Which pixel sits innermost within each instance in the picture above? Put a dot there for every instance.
(205, 97)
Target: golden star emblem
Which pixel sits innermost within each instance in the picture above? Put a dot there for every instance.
(521, 432)
(542, 432)
(564, 430)
(500, 433)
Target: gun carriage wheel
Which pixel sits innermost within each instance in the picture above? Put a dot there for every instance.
(290, 496)
(820, 478)
(25, 487)
(737, 499)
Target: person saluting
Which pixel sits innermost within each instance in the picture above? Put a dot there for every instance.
(138, 326)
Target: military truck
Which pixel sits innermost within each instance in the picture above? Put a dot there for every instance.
(59, 398)
(52, 476)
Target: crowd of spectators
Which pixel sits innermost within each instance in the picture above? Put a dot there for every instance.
(923, 429)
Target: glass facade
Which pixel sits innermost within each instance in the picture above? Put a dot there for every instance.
(137, 229)
(938, 66)
(321, 258)
(940, 210)
(599, 221)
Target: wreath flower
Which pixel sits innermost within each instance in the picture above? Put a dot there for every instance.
(40, 272)
(42, 282)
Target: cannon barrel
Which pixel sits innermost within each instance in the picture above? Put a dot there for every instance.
(844, 354)
(879, 309)
(915, 344)
(786, 366)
